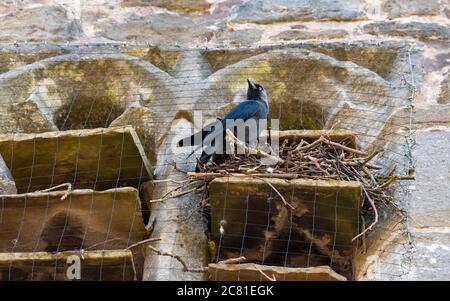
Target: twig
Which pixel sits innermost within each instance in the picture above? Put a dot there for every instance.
(368, 173)
(233, 260)
(169, 180)
(375, 220)
(264, 274)
(316, 163)
(286, 176)
(68, 191)
(203, 203)
(178, 258)
(392, 179)
(175, 195)
(277, 192)
(251, 150)
(371, 156)
(343, 147)
(363, 238)
(142, 242)
(102, 242)
(254, 168)
(309, 146)
(174, 165)
(298, 147)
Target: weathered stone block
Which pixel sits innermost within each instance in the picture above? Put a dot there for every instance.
(241, 37)
(95, 159)
(185, 6)
(25, 117)
(248, 218)
(433, 115)
(444, 96)
(164, 60)
(418, 30)
(85, 219)
(429, 205)
(12, 57)
(252, 272)
(265, 12)
(146, 125)
(406, 8)
(161, 28)
(291, 35)
(38, 24)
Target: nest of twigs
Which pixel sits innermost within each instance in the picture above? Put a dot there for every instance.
(321, 159)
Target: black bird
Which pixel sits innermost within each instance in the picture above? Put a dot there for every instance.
(256, 107)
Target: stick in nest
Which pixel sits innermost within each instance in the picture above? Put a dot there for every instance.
(322, 139)
(252, 151)
(375, 211)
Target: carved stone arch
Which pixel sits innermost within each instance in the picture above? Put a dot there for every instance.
(307, 90)
(78, 91)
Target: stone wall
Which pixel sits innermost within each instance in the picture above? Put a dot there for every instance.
(326, 64)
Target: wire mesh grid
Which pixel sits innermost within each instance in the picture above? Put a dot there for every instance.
(89, 141)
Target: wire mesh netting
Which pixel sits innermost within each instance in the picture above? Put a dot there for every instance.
(93, 185)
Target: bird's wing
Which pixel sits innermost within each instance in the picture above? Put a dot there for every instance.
(242, 112)
(245, 110)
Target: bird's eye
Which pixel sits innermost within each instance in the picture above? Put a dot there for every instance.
(260, 88)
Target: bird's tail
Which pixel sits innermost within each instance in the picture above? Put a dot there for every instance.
(198, 137)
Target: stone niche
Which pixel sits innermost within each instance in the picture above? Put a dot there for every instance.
(248, 218)
(357, 86)
(77, 91)
(40, 230)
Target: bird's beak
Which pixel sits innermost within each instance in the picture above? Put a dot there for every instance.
(251, 84)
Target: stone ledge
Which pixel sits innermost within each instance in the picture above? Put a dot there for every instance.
(42, 221)
(96, 158)
(252, 272)
(112, 265)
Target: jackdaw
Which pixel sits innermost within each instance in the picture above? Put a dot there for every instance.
(244, 119)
